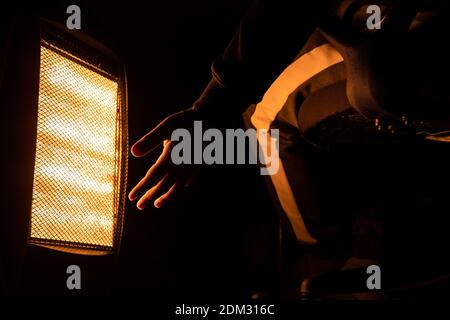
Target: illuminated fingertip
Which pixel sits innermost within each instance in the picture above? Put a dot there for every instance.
(157, 204)
(135, 151)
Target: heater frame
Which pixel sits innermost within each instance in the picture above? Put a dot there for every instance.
(84, 50)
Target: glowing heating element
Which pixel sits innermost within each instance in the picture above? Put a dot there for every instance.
(75, 181)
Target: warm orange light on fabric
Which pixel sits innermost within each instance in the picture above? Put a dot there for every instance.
(76, 181)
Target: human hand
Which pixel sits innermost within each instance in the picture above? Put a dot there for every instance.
(164, 180)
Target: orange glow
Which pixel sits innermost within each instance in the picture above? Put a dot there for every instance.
(74, 194)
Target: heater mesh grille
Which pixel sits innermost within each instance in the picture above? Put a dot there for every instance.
(75, 192)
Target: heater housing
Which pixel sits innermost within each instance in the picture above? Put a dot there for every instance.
(64, 138)
(80, 169)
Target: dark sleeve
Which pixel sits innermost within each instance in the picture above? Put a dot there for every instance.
(268, 39)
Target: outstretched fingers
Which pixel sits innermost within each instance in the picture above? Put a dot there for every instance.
(154, 174)
(161, 187)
